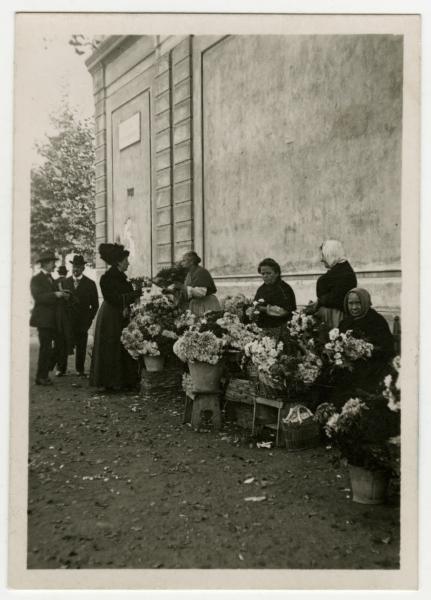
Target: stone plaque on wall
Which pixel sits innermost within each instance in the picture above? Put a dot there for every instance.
(129, 131)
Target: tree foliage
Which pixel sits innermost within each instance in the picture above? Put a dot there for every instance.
(63, 189)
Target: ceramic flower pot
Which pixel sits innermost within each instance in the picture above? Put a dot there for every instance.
(368, 487)
(205, 377)
(154, 363)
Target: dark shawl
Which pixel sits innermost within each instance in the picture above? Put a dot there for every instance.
(333, 285)
(116, 289)
(373, 328)
(276, 294)
(200, 277)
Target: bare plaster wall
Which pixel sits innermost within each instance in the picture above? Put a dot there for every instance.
(301, 142)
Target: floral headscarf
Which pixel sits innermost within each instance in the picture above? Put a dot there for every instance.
(333, 252)
(364, 298)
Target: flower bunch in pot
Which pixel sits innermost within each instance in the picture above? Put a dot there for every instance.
(151, 331)
(366, 435)
(207, 340)
(289, 366)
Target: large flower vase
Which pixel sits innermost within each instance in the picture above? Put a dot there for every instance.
(368, 487)
(205, 377)
(154, 363)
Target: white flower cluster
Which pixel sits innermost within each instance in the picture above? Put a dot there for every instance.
(343, 348)
(300, 323)
(186, 320)
(392, 387)
(235, 304)
(342, 422)
(310, 368)
(198, 346)
(133, 340)
(238, 335)
(264, 353)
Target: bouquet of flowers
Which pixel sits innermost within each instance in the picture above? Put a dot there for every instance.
(203, 346)
(235, 334)
(236, 305)
(323, 413)
(263, 353)
(252, 312)
(170, 275)
(231, 334)
(343, 350)
(151, 330)
(140, 283)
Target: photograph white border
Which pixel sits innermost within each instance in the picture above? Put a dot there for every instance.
(409, 311)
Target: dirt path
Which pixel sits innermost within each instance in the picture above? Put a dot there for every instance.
(118, 482)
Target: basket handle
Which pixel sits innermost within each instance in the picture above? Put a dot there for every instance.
(298, 414)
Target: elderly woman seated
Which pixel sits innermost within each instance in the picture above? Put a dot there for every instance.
(367, 324)
(275, 298)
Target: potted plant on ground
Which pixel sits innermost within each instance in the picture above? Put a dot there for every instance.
(366, 434)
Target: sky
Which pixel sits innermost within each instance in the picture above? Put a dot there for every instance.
(57, 72)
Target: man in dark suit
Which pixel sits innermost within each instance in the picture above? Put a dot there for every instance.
(46, 297)
(83, 308)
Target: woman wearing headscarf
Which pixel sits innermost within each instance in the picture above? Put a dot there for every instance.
(275, 298)
(199, 288)
(112, 367)
(332, 286)
(367, 324)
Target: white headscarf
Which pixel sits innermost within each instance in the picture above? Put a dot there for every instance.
(333, 252)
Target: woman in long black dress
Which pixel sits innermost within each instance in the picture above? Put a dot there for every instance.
(112, 367)
(332, 286)
(275, 298)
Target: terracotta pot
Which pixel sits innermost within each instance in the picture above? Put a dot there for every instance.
(368, 487)
(154, 363)
(205, 377)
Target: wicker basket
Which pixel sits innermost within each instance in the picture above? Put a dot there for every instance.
(301, 435)
(161, 385)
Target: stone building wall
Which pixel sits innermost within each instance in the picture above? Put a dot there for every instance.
(253, 146)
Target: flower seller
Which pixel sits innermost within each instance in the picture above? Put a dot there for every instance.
(199, 287)
(365, 324)
(274, 299)
(332, 286)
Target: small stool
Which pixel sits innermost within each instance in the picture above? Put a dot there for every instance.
(199, 402)
(276, 404)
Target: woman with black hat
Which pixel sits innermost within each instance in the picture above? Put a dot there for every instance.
(112, 367)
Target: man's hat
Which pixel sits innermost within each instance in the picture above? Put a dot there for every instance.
(62, 270)
(46, 257)
(78, 260)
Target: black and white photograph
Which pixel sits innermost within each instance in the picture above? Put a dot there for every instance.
(215, 301)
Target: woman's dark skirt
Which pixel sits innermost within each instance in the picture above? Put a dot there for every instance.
(111, 364)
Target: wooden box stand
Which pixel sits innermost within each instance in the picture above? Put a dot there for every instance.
(161, 385)
(239, 398)
(198, 402)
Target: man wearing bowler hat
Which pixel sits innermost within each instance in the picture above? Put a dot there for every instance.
(46, 297)
(83, 308)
